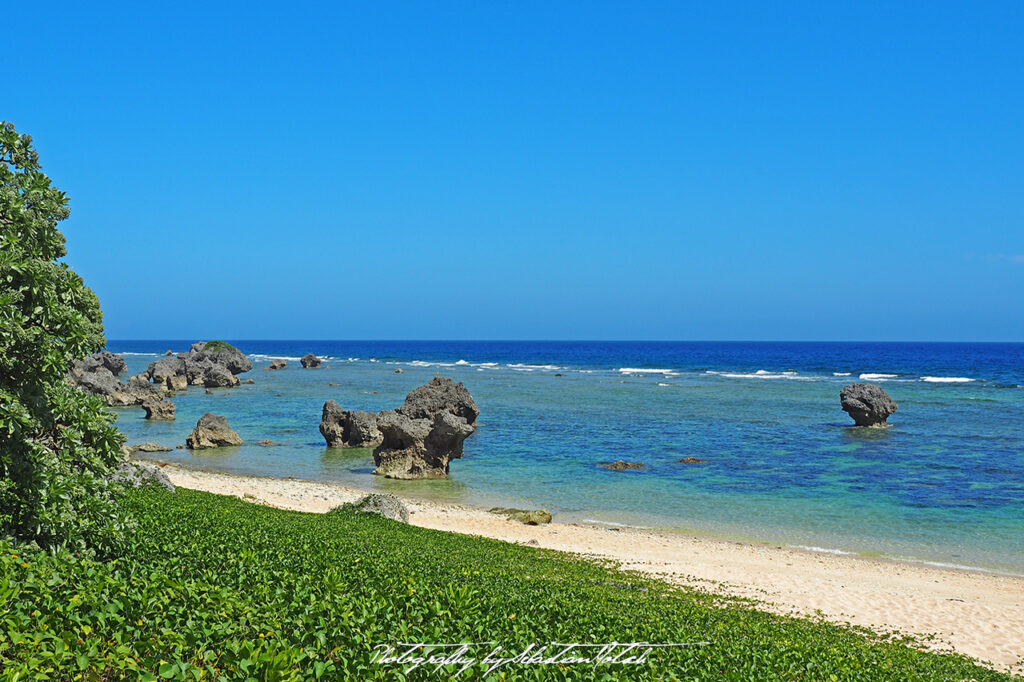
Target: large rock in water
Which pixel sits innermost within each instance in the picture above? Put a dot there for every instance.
(159, 409)
(344, 428)
(212, 431)
(868, 404)
(212, 364)
(441, 394)
(111, 361)
(101, 382)
(309, 361)
(418, 448)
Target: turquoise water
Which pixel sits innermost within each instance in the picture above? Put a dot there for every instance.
(944, 484)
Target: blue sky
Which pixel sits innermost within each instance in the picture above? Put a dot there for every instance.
(843, 171)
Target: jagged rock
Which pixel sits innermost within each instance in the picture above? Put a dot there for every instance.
(219, 377)
(220, 353)
(147, 447)
(344, 428)
(441, 394)
(310, 361)
(176, 382)
(386, 505)
(621, 465)
(101, 382)
(159, 409)
(868, 404)
(212, 431)
(418, 448)
(533, 517)
(278, 363)
(163, 368)
(137, 474)
(692, 460)
(111, 361)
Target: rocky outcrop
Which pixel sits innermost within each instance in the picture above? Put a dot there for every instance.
(621, 465)
(418, 448)
(441, 394)
(344, 428)
(147, 447)
(137, 474)
(278, 363)
(868, 404)
(212, 431)
(531, 517)
(212, 364)
(310, 361)
(101, 382)
(386, 505)
(113, 362)
(159, 409)
(692, 460)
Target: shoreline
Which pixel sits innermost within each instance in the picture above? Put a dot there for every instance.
(975, 612)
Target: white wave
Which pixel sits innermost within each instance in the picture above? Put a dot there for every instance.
(877, 377)
(420, 363)
(947, 380)
(634, 370)
(145, 355)
(461, 362)
(260, 356)
(661, 383)
(530, 368)
(824, 550)
(841, 374)
(761, 374)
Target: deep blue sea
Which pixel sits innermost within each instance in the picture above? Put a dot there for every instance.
(944, 484)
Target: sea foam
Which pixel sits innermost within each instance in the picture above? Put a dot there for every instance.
(947, 380)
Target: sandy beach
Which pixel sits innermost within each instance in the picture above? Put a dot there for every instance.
(975, 613)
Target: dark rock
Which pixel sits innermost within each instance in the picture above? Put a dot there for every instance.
(159, 370)
(441, 394)
(208, 392)
(868, 404)
(621, 465)
(533, 517)
(159, 409)
(559, 374)
(344, 428)
(386, 505)
(147, 447)
(137, 474)
(692, 460)
(418, 448)
(310, 361)
(217, 376)
(248, 381)
(278, 363)
(113, 362)
(223, 354)
(212, 431)
(101, 382)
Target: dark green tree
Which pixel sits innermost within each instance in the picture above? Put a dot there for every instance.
(57, 445)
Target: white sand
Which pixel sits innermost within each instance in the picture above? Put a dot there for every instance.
(976, 613)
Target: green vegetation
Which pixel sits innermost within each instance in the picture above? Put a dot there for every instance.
(216, 588)
(56, 444)
(218, 346)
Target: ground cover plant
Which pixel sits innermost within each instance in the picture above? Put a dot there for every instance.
(213, 587)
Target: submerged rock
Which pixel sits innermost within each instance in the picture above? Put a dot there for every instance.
(386, 505)
(147, 447)
(692, 460)
(159, 409)
(533, 517)
(212, 431)
(621, 465)
(868, 404)
(266, 443)
(310, 361)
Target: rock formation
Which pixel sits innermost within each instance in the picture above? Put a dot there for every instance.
(310, 361)
(344, 428)
(441, 394)
(418, 448)
(111, 361)
(278, 363)
(211, 431)
(159, 409)
(868, 404)
(534, 517)
(101, 382)
(621, 465)
(212, 364)
(386, 505)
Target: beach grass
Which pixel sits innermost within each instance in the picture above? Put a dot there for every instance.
(212, 587)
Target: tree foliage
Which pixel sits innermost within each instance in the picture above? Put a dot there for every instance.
(57, 445)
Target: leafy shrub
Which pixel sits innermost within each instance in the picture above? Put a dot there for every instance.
(218, 346)
(56, 444)
(213, 587)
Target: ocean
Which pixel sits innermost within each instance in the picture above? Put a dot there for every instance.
(944, 484)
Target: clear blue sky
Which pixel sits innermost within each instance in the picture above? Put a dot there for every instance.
(532, 170)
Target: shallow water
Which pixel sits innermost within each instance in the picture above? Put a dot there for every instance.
(945, 483)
